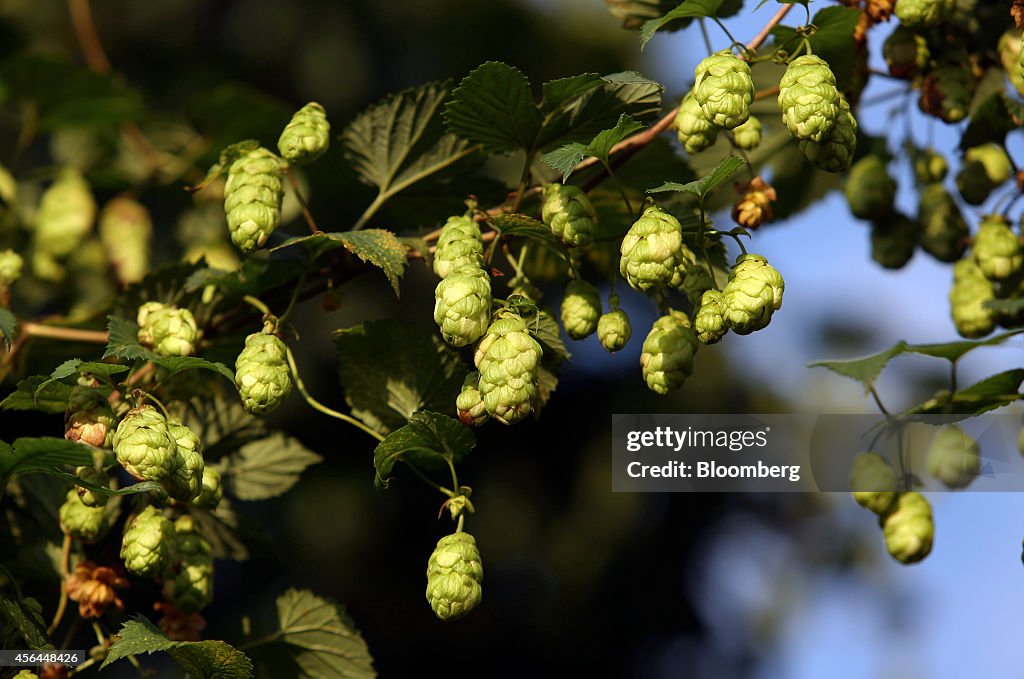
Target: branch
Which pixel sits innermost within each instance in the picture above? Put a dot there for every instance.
(31, 329)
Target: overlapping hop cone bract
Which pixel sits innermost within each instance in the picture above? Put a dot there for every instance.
(143, 444)
(967, 299)
(614, 330)
(147, 543)
(650, 250)
(569, 214)
(753, 293)
(954, 457)
(188, 583)
(873, 482)
(212, 490)
(668, 352)
(167, 330)
(724, 89)
(185, 481)
(748, 135)
(89, 417)
(808, 98)
(694, 131)
(80, 521)
(462, 305)
(459, 244)
(307, 135)
(581, 309)
(508, 358)
(834, 152)
(997, 250)
(454, 574)
(252, 198)
(709, 323)
(262, 374)
(908, 528)
(470, 402)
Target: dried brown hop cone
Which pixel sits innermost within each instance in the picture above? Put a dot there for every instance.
(754, 206)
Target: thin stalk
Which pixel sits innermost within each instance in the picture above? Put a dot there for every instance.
(65, 558)
(302, 201)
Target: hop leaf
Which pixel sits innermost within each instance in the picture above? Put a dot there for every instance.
(568, 213)
(508, 358)
(143, 444)
(667, 357)
(808, 98)
(261, 373)
(462, 305)
(752, 295)
(581, 309)
(954, 457)
(909, 529)
(724, 89)
(252, 198)
(614, 330)
(967, 300)
(693, 129)
(306, 136)
(147, 544)
(454, 573)
(997, 249)
(651, 249)
(870, 191)
(470, 402)
(709, 323)
(458, 245)
(835, 150)
(873, 482)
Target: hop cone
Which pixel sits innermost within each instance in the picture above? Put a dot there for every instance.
(261, 373)
(870, 190)
(835, 150)
(944, 232)
(306, 136)
(651, 250)
(691, 276)
(454, 573)
(966, 300)
(186, 479)
(458, 245)
(748, 135)
(211, 491)
(144, 446)
(81, 521)
(954, 457)
(167, 330)
(89, 417)
(946, 93)
(462, 305)
(1011, 49)
(667, 356)
(252, 198)
(26, 674)
(65, 215)
(997, 249)
(920, 13)
(930, 167)
(873, 482)
(97, 477)
(614, 330)
(709, 323)
(146, 547)
(568, 213)
(10, 268)
(470, 402)
(893, 240)
(188, 583)
(507, 358)
(985, 167)
(693, 129)
(754, 207)
(126, 231)
(908, 528)
(724, 89)
(808, 98)
(752, 295)
(973, 184)
(581, 309)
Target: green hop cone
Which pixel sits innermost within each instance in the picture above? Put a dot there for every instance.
(252, 198)
(1011, 49)
(126, 231)
(985, 168)
(167, 330)
(185, 482)
(946, 93)
(65, 215)
(651, 250)
(835, 150)
(929, 167)
(262, 374)
(458, 245)
(147, 544)
(997, 249)
(724, 89)
(96, 477)
(921, 13)
(709, 323)
(306, 136)
(752, 295)
(944, 232)
(508, 358)
(870, 191)
(25, 674)
(667, 356)
(568, 213)
(973, 183)
(908, 528)
(693, 129)
(691, 276)
(81, 521)
(893, 240)
(454, 573)
(808, 98)
(212, 490)
(89, 417)
(748, 135)
(581, 309)
(188, 582)
(470, 402)
(10, 268)
(954, 457)
(967, 297)
(873, 482)
(614, 330)
(143, 444)
(905, 52)
(462, 305)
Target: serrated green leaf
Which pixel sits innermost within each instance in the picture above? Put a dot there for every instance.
(24, 620)
(42, 453)
(521, 226)
(557, 92)
(199, 659)
(688, 9)
(135, 488)
(124, 341)
(30, 396)
(426, 442)
(69, 370)
(8, 324)
(379, 247)
(990, 393)
(321, 638)
(268, 468)
(864, 370)
(546, 330)
(703, 186)
(390, 369)
(953, 351)
(566, 158)
(547, 382)
(833, 40)
(178, 364)
(493, 106)
(232, 535)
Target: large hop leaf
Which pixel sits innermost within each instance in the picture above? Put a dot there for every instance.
(252, 198)
(693, 129)
(954, 457)
(306, 136)
(144, 446)
(147, 544)
(568, 213)
(508, 358)
(835, 150)
(167, 330)
(997, 249)
(185, 482)
(808, 98)
(944, 232)
(458, 245)
(650, 250)
(81, 521)
(967, 300)
(454, 573)
(262, 374)
(908, 528)
(462, 305)
(873, 482)
(581, 309)
(667, 357)
(724, 89)
(870, 191)
(753, 293)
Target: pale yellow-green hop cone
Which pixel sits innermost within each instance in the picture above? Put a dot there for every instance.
(507, 358)
(808, 98)
(614, 330)
(454, 573)
(997, 249)
(147, 544)
(1011, 49)
(753, 293)
(908, 528)
(65, 215)
(893, 240)
(462, 305)
(693, 129)
(709, 323)
(967, 297)
(188, 582)
(869, 190)
(835, 150)
(946, 93)
(212, 490)
(262, 374)
(724, 89)
(954, 457)
(930, 167)
(458, 245)
(185, 482)
(667, 356)
(143, 444)
(126, 231)
(10, 268)
(921, 13)
(80, 521)
(944, 232)
(650, 250)
(306, 136)
(569, 214)
(26, 674)
(581, 309)
(470, 402)
(89, 417)
(167, 330)
(873, 482)
(905, 52)
(96, 477)
(748, 135)
(252, 198)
